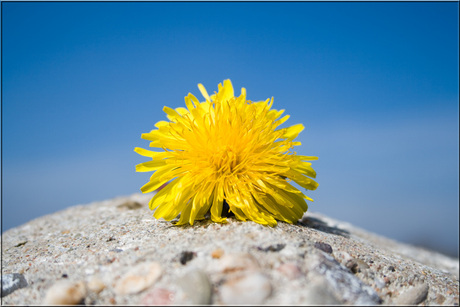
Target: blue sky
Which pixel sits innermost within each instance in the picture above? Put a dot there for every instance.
(375, 85)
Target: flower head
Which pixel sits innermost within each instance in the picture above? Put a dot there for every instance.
(228, 149)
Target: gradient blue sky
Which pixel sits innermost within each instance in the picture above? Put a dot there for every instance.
(375, 85)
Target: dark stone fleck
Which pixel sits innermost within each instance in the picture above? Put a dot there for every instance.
(272, 248)
(65, 275)
(110, 239)
(186, 256)
(12, 282)
(391, 268)
(353, 266)
(21, 244)
(324, 247)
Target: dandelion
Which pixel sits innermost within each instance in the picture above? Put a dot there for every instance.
(226, 149)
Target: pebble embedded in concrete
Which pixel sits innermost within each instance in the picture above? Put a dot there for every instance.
(12, 282)
(217, 253)
(196, 287)
(318, 293)
(158, 297)
(139, 278)
(238, 262)
(65, 293)
(324, 247)
(96, 285)
(413, 296)
(249, 289)
(343, 282)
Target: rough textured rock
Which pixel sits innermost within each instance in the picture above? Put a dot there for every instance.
(90, 249)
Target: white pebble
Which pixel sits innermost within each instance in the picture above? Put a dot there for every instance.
(96, 285)
(238, 262)
(65, 293)
(139, 278)
(250, 289)
(197, 287)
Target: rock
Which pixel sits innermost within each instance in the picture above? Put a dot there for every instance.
(12, 282)
(290, 270)
(238, 262)
(101, 241)
(356, 265)
(440, 299)
(186, 256)
(196, 287)
(96, 285)
(249, 289)
(217, 253)
(379, 283)
(158, 297)
(413, 296)
(139, 278)
(343, 282)
(65, 293)
(324, 247)
(272, 248)
(318, 293)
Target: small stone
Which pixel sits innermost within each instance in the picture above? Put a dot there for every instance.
(196, 287)
(324, 247)
(65, 293)
(318, 293)
(12, 282)
(96, 285)
(186, 256)
(238, 262)
(290, 270)
(356, 265)
(217, 253)
(139, 278)
(272, 248)
(250, 289)
(379, 283)
(413, 296)
(343, 283)
(391, 268)
(130, 205)
(21, 243)
(440, 299)
(158, 297)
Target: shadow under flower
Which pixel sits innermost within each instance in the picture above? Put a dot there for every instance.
(318, 224)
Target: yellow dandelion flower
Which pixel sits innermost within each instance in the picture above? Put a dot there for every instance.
(226, 149)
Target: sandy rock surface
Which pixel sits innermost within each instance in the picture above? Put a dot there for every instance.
(114, 252)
